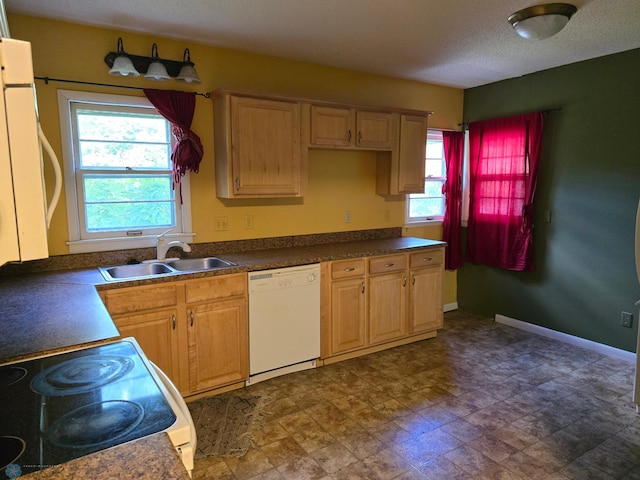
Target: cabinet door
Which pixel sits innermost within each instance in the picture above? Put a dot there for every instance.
(218, 344)
(387, 307)
(425, 300)
(156, 333)
(331, 126)
(265, 147)
(348, 310)
(412, 153)
(375, 130)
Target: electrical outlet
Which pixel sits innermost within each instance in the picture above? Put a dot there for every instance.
(248, 221)
(347, 217)
(221, 223)
(626, 319)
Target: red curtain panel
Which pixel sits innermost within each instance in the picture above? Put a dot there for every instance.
(504, 155)
(178, 108)
(452, 189)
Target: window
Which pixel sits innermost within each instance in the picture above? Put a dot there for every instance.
(119, 181)
(429, 206)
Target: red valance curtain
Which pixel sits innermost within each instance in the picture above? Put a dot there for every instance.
(504, 156)
(452, 190)
(178, 108)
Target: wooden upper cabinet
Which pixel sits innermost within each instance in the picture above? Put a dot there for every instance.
(257, 147)
(402, 170)
(262, 142)
(331, 126)
(346, 127)
(376, 130)
(412, 154)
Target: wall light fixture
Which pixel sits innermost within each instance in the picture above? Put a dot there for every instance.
(154, 68)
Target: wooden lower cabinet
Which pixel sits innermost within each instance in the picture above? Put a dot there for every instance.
(425, 304)
(150, 315)
(199, 333)
(343, 306)
(425, 291)
(381, 302)
(218, 344)
(348, 310)
(155, 331)
(387, 307)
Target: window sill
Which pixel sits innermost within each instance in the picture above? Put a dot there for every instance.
(123, 243)
(426, 223)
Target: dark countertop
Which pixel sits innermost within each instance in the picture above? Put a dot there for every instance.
(49, 313)
(148, 458)
(255, 260)
(43, 313)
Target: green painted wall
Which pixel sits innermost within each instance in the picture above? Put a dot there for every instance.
(590, 181)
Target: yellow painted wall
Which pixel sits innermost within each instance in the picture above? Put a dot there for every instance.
(338, 180)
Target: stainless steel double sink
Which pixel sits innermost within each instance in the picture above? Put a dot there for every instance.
(153, 269)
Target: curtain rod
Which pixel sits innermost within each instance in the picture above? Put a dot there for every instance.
(465, 125)
(49, 79)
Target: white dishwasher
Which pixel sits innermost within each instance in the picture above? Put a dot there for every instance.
(284, 321)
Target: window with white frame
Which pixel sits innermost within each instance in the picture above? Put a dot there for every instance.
(118, 175)
(429, 206)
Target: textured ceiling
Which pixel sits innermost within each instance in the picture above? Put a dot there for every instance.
(459, 43)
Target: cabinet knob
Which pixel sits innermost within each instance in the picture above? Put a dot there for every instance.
(389, 265)
(173, 321)
(237, 182)
(362, 287)
(191, 317)
(349, 135)
(351, 269)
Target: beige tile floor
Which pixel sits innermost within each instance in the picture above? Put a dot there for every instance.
(480, 401)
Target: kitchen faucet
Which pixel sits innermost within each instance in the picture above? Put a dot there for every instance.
(163, 247)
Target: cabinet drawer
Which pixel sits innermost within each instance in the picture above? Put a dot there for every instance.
(214, 288)
(427, 258)
(391, 263)
(347, 268)
(136, 299)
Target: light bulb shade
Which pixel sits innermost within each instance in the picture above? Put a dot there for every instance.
(539, 28)
(188, 74)
(157, 71)
(123, 66)
(541, 21)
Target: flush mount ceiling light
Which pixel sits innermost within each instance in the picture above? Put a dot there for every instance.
(153, 67)
(541, 21)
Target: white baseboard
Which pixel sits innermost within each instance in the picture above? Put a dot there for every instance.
(566, 338)
(448, 307)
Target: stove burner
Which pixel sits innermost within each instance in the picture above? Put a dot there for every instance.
(11, 448)
(10, 375)
(81, 374)
(95, 425)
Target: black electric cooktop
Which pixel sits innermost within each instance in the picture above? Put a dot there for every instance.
(57, 408)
